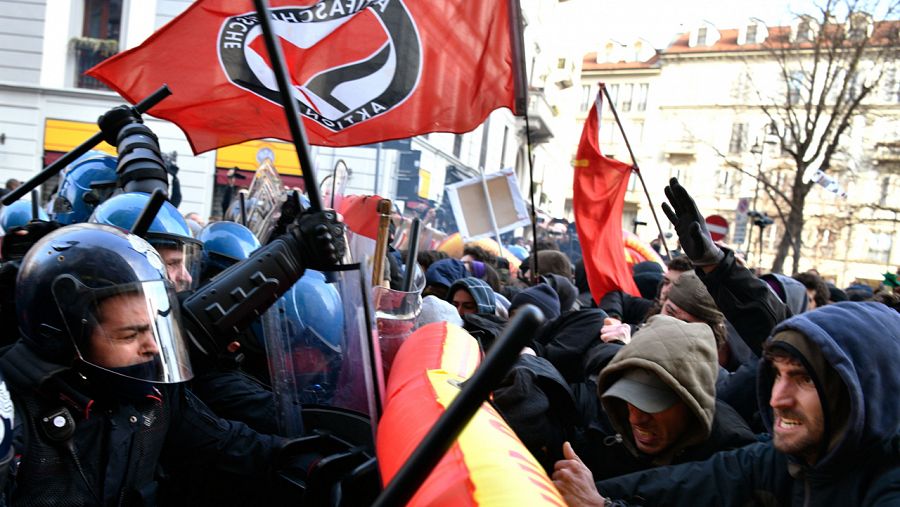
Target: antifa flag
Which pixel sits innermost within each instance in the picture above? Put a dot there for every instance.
(362, 71)
(598, 199)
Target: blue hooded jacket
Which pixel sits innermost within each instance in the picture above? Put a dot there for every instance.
(860, 343)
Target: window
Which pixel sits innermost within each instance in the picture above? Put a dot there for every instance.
(457, 145)
(613, 90)
(804, 30)
(885, 190)
(99, 38)
(890, 86)
(751, 33)
(795, 87)
(627, 91)
(880, 246)
(701, 36)
(738, 138)
(561, 63)
(643, 88)
(586, 98)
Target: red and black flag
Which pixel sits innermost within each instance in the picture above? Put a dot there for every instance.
(361, 71)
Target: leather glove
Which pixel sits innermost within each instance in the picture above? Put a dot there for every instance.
(112, 121)
(320, 238)
(19, 240)
(690, 226)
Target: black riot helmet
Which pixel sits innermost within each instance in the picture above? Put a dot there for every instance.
(97, 294)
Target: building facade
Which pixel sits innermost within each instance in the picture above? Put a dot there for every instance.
(694, 111)
(47, 107)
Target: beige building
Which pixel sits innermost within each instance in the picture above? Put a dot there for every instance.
(692, 110)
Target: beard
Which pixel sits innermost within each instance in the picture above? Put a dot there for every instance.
(803, 440)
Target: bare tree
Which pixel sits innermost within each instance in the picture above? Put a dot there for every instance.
(828, 65)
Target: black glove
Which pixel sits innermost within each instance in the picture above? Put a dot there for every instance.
(19, 240)
(112, 121)
(690, 226)
(321, 239)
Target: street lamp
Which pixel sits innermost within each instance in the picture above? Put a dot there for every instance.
(759, 149)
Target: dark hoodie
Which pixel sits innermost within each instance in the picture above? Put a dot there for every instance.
(479, 289)
(859, 344)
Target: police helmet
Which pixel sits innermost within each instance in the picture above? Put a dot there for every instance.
(84, 184)
(98, 295)
(18, 214)
(168, 233)
(225, 244)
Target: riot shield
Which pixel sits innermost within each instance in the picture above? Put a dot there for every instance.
(321, 348)
(262, 204)
(395, 316)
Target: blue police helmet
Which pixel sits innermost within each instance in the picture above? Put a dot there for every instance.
(84, 184)
(18, 214)
(314, 312)
(168, 232)
(225, 244)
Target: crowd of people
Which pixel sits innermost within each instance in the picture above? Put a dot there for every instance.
(139, 374)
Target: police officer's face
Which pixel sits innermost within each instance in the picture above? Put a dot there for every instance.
(654, 433)
(799, 421)
(124, 334)
(176, 268)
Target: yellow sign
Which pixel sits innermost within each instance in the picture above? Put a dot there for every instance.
(250, 154)
(424, 183)
(63, 135)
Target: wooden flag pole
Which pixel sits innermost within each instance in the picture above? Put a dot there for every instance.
(634, 166)
(381, 243)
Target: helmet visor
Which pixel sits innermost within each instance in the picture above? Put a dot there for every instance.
(183, 260)
(60, 205)
(130, 330)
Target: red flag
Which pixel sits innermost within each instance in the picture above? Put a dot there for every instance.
(362, 70)
(598, 198)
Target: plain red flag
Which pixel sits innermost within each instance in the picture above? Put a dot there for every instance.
(598, 198)
(362, 71)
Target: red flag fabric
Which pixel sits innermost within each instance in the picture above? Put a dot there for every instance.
(598, 199)
(362, 71)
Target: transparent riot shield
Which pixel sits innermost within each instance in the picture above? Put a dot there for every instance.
(262, 206)
(395, 316)
(321, 348)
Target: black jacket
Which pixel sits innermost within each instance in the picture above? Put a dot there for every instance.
(108, 453)
(860, 342)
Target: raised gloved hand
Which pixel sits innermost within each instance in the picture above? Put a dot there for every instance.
(690, 226)
(112, 121)
(321, 239)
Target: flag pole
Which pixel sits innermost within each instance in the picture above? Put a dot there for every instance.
(298, 133)
(521, 90)
(634, 166)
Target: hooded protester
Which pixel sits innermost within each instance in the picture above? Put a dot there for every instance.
(472, 295)
(647, 276)
(790, 291)
(541, 296)
(441, 274)
(565, 289)
(826, 387)
(567, 340)
(660, 399)
(816, 290)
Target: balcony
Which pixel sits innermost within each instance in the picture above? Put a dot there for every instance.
(540, 116)
(887, 152)
(682, 148)
(88, 53)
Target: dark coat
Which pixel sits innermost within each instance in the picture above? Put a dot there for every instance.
(118, 444)
(566, 340)
(861, 343)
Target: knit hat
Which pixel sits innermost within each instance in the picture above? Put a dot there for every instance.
(835, 295)
(859, 292)
(435, 309)
(689, 293)
(564, 288)
(542, 296)
(647, 276)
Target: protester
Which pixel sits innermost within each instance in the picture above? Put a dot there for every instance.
(542, 296)
(658, 393)
(471, 295)
(816, 290)
(441, 274)
(826, 389)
